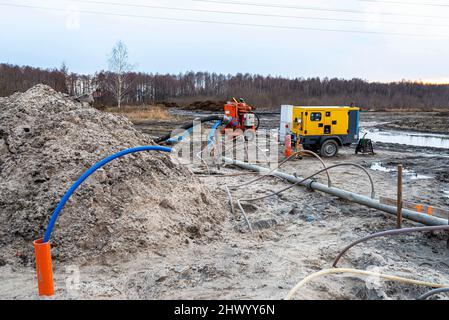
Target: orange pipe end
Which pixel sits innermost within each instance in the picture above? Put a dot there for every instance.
(288, 146)
(44, 269)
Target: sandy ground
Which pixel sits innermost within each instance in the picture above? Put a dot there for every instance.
(297, 233)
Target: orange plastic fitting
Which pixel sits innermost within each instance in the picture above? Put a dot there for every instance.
(44, 269)
(288, 145)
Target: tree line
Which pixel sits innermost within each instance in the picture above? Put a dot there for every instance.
(14, 78)
(265, 92)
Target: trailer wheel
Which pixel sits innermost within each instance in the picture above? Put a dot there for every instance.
(329, 148)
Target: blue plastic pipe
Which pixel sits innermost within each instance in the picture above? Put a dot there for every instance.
(179, 138)
(210, 139)
(86, 174)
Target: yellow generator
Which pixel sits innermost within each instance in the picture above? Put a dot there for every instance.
(321, 129)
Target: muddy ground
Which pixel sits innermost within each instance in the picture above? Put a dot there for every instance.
(431, 122)
(297, 233)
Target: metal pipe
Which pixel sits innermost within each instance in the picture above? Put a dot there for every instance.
(373, 191)
(347, 195)
(299, 182)
(329, 182)
(269, 173)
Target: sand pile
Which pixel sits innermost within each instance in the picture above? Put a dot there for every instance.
(141, 202)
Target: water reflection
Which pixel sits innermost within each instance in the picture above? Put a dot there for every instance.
(407, 138)
(378, 166)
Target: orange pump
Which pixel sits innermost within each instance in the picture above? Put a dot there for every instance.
(243, 117)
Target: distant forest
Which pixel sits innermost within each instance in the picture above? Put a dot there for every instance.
(264, 92)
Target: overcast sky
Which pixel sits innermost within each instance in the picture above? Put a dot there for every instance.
(402, 40)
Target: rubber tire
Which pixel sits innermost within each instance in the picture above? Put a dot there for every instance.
(332, 145)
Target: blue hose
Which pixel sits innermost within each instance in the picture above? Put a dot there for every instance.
(180, 137)
(86, 174)
(210, 139)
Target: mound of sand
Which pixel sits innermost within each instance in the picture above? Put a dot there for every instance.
(141, 202)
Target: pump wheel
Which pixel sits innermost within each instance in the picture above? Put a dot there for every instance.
(329, 148)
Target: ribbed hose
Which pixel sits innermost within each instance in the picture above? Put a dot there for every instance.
(210, 145)
(432, 292)
(343, 194)
(86, 174)
(179, 138)
(293, 185)
(210, 138)
(324, 272)
(373, 191)
(329, 182)
(186, 126)
(387, 233)
(267, 196)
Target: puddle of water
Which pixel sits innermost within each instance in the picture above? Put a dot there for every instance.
(410, 174)
(415, 176)
(407, 138)
(377, 166)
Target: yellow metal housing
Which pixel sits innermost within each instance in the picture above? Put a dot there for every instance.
(319, 121)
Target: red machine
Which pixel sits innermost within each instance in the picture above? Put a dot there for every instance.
(243, 117)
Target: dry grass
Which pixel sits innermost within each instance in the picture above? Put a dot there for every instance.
(146, 112)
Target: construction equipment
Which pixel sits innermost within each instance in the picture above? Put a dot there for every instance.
(323, 129)
(364, 146)
(243, 117)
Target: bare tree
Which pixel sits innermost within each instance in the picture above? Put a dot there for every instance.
(64, 69)
(119, 77)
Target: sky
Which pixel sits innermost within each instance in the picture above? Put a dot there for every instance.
(374, 40)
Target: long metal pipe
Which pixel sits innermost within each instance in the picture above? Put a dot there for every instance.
(347, 195)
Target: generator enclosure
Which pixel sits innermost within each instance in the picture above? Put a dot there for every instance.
(286, 121)
(311, 126)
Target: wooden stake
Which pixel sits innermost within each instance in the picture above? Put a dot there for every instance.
(399, 199)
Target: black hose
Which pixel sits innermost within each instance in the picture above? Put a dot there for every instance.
(387, 233)
(432, 292)
(186, 126)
